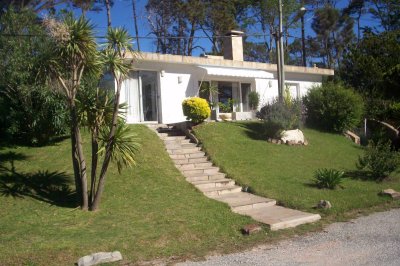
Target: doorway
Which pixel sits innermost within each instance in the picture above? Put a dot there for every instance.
(141, 96)
(148, 80)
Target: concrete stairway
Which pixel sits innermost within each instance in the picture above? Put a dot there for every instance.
(194, 165)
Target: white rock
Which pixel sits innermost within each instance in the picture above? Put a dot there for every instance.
(100, 257)
(295, 136)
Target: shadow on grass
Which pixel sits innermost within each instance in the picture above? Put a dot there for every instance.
(360, 175)
(9, 142)
(46, 186)
(254, 130)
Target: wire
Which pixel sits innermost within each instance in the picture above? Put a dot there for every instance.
(155, 37)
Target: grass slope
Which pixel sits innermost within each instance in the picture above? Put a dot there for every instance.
(147, 212)
(286, 172)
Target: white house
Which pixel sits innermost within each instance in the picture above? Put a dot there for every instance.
(155, 90)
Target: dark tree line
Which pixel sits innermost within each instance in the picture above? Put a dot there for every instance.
(176, 23)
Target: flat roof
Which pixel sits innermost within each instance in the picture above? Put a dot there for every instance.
(191, 60)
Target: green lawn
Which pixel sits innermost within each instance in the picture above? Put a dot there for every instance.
(286, 172)
(146, 213)
(151, 212)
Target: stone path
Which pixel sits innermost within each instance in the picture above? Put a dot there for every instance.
(199, 171)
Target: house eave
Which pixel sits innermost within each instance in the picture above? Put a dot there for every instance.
(191, 60)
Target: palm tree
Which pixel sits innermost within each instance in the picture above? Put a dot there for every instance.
(73, 55)
(118, 47)
(96, 108)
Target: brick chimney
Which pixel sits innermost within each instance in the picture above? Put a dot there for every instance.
(233, 45)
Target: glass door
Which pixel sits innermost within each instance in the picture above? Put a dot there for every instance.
(245, 90)
(148, 80)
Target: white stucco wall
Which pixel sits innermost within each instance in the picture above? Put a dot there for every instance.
(172, 94)
(179, 81)
(268, 89)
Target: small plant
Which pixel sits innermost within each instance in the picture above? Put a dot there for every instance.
(379, 159)
(328, 178)
(207, 91)
(196, 109)
(254, 100)
(224, 108)
(280, 116)
(227, 107)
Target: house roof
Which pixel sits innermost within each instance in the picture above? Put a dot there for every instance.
(191, 60)
(236, 72)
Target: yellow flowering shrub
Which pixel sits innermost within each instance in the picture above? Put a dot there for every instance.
(196, 109)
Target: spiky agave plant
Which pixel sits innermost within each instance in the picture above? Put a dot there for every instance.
(328, 178)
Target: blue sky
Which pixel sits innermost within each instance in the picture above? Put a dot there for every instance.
(121, 15)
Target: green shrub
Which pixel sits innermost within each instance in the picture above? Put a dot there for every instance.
(227, 107)
(280, 116)
(333, 107)
(33, 114)
(29, 111)
(379, 159)
(328, 178)
(254, 100)
(394, 113)
(196, 109)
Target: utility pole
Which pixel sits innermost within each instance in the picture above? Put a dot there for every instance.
(281, 71)
(303, 11)
(278, 61)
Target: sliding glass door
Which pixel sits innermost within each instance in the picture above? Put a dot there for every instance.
(149, 95)
(141, 96)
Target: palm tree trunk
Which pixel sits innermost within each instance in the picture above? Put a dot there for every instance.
(108, 8)
(79, 156)
(109, 146)
(95, 157)
(75, 164)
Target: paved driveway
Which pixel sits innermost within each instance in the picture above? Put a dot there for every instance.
(370, 240)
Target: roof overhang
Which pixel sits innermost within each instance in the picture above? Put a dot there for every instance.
(236, 72)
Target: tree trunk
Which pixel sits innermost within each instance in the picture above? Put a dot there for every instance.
(79, 157)
(135, 24)
(108, 8)
(109, 146)
(95, 157)
(75, 164)
(190, 41)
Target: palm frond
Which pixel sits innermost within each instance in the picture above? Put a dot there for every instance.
(124, 148)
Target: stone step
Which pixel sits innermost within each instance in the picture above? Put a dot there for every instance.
(180, 146)
(208, 171)
(203, 177)
(213, 183)
(277, 217)
(199, 154)
(192, 166)
(178, 141)
(172, 137)
(190, 160)
(244, 201)
(169, 131)
(172, 133)
(185, 150)
(215, 191)
(193, 163)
